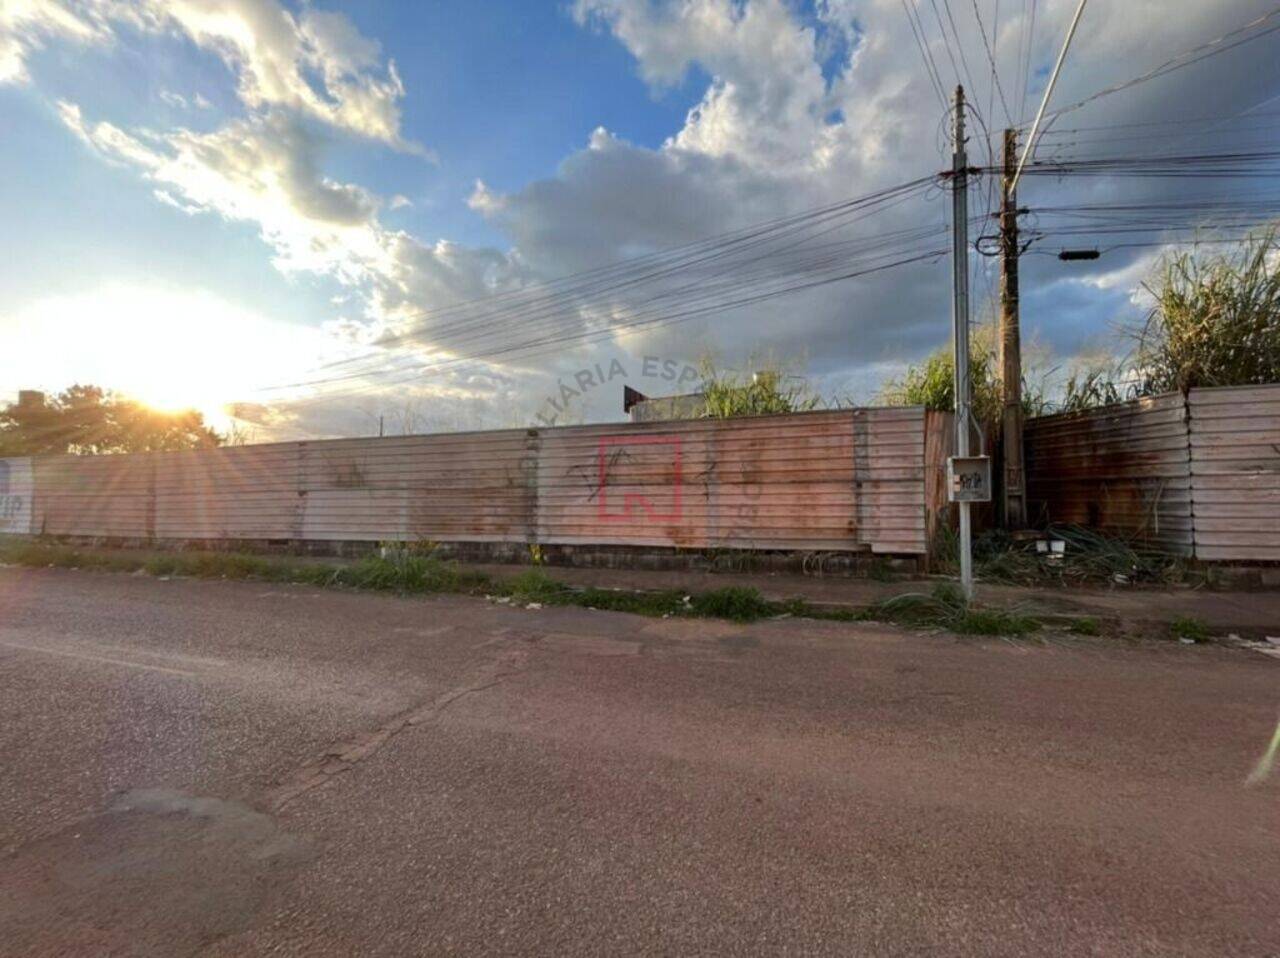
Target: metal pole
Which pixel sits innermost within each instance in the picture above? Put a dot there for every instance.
(1048, 92)
(1015, 499)
(960, 324)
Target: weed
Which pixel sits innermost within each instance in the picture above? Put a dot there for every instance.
(406, 572)
(946, 608)
(1189, 627)
(637, 603)
(408, 569)
(534, 585)
(992, 622)
(161, 565)
(734, 602)
(838, 614)
(1090, 557)
(1085, 626)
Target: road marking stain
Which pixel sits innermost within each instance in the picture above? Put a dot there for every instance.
(103, 659)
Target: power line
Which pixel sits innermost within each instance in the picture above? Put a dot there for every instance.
(570, 296)
(930, 67)
(1205, 50)
(995, 74)
(767, 272)
(1248, 113)
(555, 345)
(1238, 164)
(964, 61)
(572, 290)
(1025, 65)
(946, 43)
(1048, 92)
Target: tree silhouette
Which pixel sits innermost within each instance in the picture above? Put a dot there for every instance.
(89, 420)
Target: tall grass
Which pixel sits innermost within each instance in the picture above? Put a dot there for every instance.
(1216, 319)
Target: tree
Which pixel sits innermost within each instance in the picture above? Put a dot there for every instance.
(90, 420)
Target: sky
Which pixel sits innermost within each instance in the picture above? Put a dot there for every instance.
(317, 218)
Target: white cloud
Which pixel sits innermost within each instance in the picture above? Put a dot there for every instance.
(799, 112)
(27, 25)
(766, 102)
(315, 63)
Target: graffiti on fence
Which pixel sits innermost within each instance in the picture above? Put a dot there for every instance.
(658, 452)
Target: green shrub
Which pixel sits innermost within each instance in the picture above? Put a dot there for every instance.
(407, 572)
(1086, 626)
(534, 585)
(637, 603)
(734, 602)
(1189, 627)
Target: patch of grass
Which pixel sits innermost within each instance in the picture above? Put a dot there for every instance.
(993, 622)
(1189, 627)
(416, 570)
(534, 585)
(407, 571)
(832, 614)
(1085, 626)
(946, 608)
(39, 554)
(638, 603)
(734, 602)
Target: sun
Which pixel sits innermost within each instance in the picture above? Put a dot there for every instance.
(170, 349)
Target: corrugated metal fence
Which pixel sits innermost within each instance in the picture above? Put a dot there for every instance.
(849, 480)
(1197, 474)
(1235, 471)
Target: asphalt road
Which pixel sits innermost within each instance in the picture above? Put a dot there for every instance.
(223, 768)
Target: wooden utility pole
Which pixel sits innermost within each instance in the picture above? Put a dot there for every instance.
(1015, 493)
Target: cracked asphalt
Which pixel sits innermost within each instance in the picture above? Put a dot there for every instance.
(232, 768)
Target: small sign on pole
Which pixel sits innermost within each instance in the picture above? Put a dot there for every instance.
(969, 478)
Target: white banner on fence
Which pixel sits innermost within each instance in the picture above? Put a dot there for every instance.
(16, 492)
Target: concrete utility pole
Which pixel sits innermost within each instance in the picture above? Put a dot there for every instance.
(960, 323)
(1015, 495)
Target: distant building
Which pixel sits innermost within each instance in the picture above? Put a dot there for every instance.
(641, 408)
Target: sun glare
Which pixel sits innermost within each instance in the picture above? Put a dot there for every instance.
(169, 349)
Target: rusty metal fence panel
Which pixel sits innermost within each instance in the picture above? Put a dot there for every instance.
(105, 496)
(237, 492)
(464, 487)
(890, 479)
(1235, 472)
(752, 483)
(1123, 469)
(844, 480)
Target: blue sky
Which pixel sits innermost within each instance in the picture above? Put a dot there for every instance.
(513, 88)
(220, 195)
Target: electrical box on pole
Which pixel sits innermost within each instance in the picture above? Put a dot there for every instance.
(969, 479)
